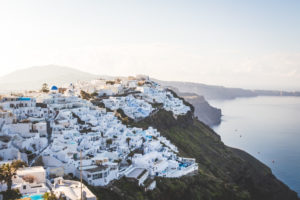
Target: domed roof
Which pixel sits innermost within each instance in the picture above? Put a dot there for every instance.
(54, 87)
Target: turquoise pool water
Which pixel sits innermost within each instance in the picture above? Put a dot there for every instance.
(35, 196)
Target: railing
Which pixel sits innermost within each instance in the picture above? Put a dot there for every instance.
(183, 171)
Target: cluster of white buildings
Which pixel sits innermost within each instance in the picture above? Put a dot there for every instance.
(156, 94)
(140, 104)
(132, 107)
(23, 127)
(73, 137)
(32, 183)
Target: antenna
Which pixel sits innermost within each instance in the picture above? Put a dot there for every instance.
(81, 174)
(19, 155)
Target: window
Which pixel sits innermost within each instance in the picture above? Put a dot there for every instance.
(24, 187)
(94, 176)
(97, 176)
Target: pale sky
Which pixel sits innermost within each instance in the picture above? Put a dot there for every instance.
(249, 43)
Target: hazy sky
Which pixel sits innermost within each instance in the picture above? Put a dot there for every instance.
(251, 44)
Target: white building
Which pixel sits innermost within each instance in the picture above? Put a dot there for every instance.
(20, 106)
(30, 180)
(99, 175)
(71, 190)
(140, 174)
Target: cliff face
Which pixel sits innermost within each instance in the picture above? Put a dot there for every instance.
(224, 172)
(205, 113)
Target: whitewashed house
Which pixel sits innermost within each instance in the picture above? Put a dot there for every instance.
(30, 180)
(99, 175)
(139, 174)
(71, 190)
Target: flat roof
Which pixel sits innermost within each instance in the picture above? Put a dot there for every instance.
(96, 169)
(31, 169)
(72, 189)
(135, 173)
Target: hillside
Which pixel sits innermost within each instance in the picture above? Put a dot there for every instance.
(219, 92)
(32, 78)
(224, 172)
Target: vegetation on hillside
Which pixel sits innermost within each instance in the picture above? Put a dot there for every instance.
(45, 88)
(85, 95)
(224, 172)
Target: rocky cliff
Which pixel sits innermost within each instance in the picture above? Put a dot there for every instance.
(205, 113)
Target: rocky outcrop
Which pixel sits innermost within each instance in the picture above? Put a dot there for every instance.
(206, 113)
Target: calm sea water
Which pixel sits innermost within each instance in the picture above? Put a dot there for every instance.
(269, 129)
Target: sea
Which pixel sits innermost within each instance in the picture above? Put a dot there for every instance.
(269, 129)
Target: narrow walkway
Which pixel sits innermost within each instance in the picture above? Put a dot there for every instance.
(1, 126)
(49, 133)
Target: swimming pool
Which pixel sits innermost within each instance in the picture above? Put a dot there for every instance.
(183, 165)
(34, 197)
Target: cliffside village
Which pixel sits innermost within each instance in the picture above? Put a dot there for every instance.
(62, 132)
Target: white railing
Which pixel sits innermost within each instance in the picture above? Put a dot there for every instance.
(182, 171)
